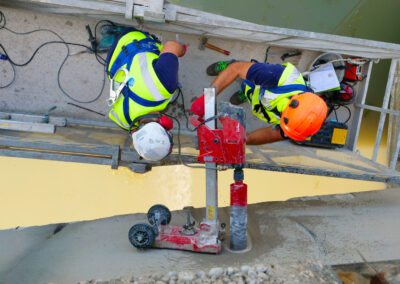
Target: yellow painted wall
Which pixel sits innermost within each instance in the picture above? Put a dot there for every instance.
(36, 192)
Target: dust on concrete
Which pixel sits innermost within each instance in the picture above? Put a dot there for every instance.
(100, 249)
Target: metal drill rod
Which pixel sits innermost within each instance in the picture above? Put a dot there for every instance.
(211, 174)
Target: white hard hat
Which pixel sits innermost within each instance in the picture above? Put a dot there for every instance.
(152, 141)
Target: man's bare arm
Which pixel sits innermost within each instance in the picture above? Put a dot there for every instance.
(264, 136)
(173, 47)
(233, 71)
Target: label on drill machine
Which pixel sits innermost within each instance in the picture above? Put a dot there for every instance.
(210, 212)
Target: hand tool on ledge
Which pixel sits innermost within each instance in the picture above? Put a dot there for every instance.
(204, 44)
(290, 54)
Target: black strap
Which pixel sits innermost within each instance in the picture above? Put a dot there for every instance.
(125, 50)
(135, 41)
(149, 115)
(260, 106)
(290, 88)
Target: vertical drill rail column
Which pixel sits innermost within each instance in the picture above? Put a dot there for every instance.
(211, 173)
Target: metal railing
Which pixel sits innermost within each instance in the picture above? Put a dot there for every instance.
(360, 105)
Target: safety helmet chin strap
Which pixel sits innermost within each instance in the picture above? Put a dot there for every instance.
(149, 115)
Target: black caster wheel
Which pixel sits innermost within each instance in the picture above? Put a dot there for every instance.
(141, 235)
(159, 213)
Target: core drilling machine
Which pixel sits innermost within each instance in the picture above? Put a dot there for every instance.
(219, 148)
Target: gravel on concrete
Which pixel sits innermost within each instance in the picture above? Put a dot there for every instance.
(310, 273)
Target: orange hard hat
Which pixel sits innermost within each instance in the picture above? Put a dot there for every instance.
(303, 116)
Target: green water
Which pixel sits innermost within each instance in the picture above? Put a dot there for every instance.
(368, 19)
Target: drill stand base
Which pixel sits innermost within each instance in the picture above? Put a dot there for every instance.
(205, 238)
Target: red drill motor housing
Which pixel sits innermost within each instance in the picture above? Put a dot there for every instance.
(223, 146)
(353, 70)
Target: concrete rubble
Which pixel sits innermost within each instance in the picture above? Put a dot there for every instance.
(309, 273)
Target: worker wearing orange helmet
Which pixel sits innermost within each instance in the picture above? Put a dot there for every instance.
(278, 95)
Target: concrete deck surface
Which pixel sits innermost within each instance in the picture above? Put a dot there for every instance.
(328, 228)
(35, 89)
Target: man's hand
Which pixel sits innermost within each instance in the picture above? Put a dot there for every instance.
(175, 48)
(185, 49)
(166, 122)
(198, 107)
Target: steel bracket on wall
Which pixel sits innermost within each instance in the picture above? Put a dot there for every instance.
(148, 10)
(140, 168)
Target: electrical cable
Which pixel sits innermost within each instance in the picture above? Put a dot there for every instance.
(179, 146)
(2, 19)
(69, 96)
(183, 107)
(180, 93)
(13, 78)
(62, 41)
(348, 109)
(4, 57)
(37, 49)
(335, 107)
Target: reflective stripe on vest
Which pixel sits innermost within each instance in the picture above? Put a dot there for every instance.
(144, 93)
(268, 104)
(155, 93)
(289, 75)
(114, 116)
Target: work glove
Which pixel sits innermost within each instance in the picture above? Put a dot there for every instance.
(181, 43)
(198, 107)
(166, 122)
(185, 49)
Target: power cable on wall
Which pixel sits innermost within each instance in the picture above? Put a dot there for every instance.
(61, 41)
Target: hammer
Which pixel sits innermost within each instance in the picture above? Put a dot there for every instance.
(204, 44)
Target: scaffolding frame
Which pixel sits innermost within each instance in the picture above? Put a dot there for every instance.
(147, 13)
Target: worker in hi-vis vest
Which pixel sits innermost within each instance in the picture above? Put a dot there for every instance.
(277, 94)
(144, 77)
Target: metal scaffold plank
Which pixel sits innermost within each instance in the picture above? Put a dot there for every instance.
(55, 157)
(377, 177)
(105, 150)
(27, 126)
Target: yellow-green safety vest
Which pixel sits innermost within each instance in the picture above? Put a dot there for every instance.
(268, 104)
(144, 93)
